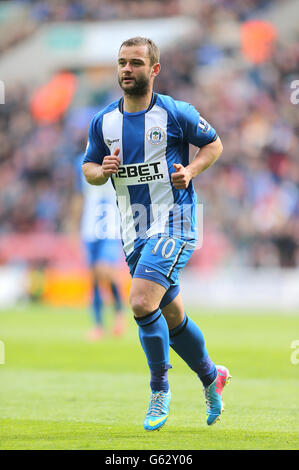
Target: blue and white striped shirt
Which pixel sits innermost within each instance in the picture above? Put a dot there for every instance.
(150, 142)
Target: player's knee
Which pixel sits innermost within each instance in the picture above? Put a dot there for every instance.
(140, 305)
(174, 319)
(101, 273)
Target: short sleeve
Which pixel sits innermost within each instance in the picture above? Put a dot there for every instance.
(196, 130)
(95, 148)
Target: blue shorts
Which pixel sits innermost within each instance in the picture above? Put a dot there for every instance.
(160, 260)
(104, 250)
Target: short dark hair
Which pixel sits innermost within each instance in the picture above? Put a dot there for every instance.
(153, 50)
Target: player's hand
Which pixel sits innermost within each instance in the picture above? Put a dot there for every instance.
(181, 177)
(111, 163)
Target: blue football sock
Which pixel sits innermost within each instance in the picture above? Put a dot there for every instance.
(154, 339)
(116, 296)
(97, 305)
(188, 342)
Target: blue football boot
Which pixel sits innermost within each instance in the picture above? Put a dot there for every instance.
(157, 412)
(213, 395)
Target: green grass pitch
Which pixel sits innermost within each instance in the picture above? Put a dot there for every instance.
(60, 392)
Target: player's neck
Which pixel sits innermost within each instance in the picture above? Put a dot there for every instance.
(135, 104)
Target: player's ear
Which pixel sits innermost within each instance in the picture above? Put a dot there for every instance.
(156, 69)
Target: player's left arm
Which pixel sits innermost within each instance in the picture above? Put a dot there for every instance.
(203, 159)
(197, 131)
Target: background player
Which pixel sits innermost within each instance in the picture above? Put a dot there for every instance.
(94, 211)
(142, 142)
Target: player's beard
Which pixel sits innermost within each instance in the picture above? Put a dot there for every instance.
(139, 87)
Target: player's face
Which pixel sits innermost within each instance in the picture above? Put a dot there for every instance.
(135, 72)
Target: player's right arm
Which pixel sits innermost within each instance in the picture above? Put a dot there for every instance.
(98, 166)
(97, 174)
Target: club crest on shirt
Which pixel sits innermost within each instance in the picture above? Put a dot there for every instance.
(155, 135)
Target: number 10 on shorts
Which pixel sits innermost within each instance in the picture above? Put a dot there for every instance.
(167, 248)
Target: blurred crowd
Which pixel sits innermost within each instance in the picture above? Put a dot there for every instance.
(250, 196)
(103, 10)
